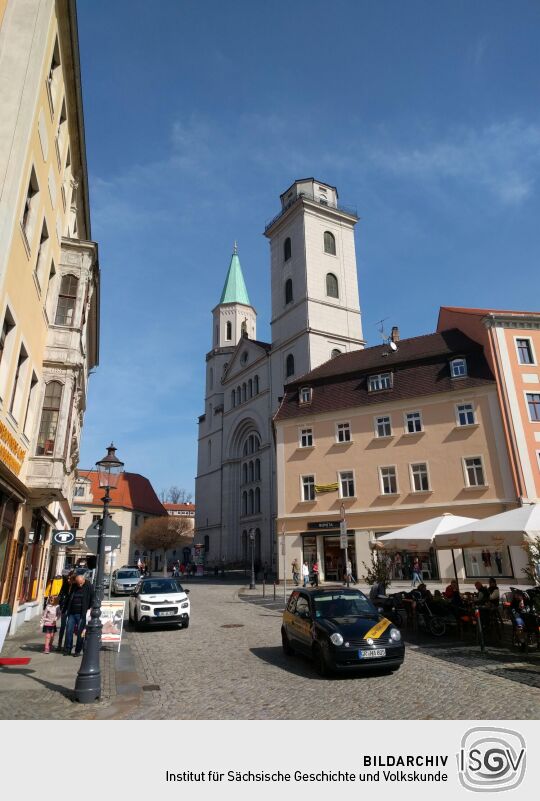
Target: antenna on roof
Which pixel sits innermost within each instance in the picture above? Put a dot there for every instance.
(386, 338)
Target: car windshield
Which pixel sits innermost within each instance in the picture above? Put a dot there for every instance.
(343, 604)
(128, 574)
(157, 586)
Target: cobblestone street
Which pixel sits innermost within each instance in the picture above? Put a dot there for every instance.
(229, 664)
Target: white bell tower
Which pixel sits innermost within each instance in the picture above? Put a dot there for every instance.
(315, 302)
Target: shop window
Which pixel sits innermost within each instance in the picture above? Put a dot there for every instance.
(383, 426)
(388, 479)
(306, 437)
(413, 423)
(49, 419)
(67, 299)
(343, 432)
(308, 488)
(487, 562)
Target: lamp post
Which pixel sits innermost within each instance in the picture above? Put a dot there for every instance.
(252, 541)
(88, 684)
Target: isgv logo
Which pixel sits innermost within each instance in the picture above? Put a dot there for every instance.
(491, 759)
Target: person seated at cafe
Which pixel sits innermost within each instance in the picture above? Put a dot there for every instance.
(482, 592)
(424, 592)
(494, 593)
(451, 590)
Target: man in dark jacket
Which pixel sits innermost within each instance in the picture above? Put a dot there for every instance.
(80, 600)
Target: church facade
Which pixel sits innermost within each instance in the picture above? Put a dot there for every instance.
(315, 317)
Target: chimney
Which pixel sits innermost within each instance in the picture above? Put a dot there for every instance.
(394, 336)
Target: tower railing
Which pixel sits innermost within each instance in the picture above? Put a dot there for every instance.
(351, 210)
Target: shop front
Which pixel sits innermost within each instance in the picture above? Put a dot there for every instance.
(401, 562)
(325, 548)
(486, 562)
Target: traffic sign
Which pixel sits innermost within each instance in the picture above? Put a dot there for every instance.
(343, 540)
(113, 535)
(64, 537)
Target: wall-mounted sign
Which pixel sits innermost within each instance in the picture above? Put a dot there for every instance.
(322, 524)
(64, 537)
(11, 453)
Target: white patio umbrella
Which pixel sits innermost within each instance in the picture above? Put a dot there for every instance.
(508, 528)
(420, 536)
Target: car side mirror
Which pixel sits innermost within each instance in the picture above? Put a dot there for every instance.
(187, 592)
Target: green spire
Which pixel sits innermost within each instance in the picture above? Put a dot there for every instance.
(235, 290)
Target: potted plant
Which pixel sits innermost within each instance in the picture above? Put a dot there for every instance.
(5, 620)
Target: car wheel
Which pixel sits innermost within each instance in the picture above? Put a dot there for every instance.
(185, 625)
(138, 623)
(321, 662)
(130, 615)
(288, 650)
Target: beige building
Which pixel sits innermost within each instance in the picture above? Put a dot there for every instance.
(389, 436)
(133, 502)
(49, 289)
(184, 510)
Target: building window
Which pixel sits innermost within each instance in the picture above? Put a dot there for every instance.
(458, 368)
(245, 473)
(238, 396)
(474, 471)
(209, 452)
(308, 488)
(49, 419)
(465, 414)
(95, 518)
(306, 437)
(228, 330)
(332, 286)
(413, 422)
(53, 76)
(524, 351)
(7, 336)
(251, 496)
(250, 387)
(76, 522)
(233, 398)
(329, 243)
(288, 291)
(305, 395)
(343, 432)
(244, 503)
(257, 500)
(79, 491)
(30, 207)
(251, 468)
(67, 298)
(419, 477)
(533, 402)
(388, 480)
(244, 393)
(289, 366)
(379, 381)
(257, 469)
(18, 382)
(256, 384)
(30, 404)
(287, 250)
(335, 352)
(383, 426)
(42, 254)
(346, 484)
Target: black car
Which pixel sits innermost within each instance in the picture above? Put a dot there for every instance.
(341, 630)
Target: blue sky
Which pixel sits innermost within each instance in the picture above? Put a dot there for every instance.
(425, 115)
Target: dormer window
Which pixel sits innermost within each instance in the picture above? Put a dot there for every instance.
(305, 395)
(458, 368)
(380, 381)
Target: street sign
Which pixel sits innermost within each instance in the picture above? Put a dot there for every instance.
(343, 541)
(113, 535)
(64, 537)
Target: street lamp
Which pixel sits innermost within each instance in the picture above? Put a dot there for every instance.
(252, 541)
(88, 684)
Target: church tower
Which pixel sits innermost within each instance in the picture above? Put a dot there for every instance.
(234, 316)
(314, 283)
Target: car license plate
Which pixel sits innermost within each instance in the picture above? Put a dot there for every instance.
(164, 614)
(372, 654)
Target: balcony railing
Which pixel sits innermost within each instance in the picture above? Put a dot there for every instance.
(351, 210)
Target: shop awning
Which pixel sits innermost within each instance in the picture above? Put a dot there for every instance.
(508, 528)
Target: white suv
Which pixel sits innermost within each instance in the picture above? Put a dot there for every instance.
(159, 601)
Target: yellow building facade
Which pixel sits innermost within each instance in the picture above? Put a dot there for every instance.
(49, 290)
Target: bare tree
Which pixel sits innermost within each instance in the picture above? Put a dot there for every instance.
(164, 533)
(175, 494)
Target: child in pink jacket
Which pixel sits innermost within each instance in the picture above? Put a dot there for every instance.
(51, 613)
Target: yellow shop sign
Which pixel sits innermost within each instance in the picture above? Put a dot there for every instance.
(11, 453)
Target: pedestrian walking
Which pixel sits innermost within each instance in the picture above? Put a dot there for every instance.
(49, 619)
(305, 573)
(349, 578)
(79, 602)
(63, 596)
(416, 574)
(295, 572)
(315, 574)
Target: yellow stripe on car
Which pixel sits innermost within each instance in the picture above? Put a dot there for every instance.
(376, 631)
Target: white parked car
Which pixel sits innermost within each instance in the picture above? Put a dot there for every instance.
(159, 601)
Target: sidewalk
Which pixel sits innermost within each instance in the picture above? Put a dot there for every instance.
(43, 689)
